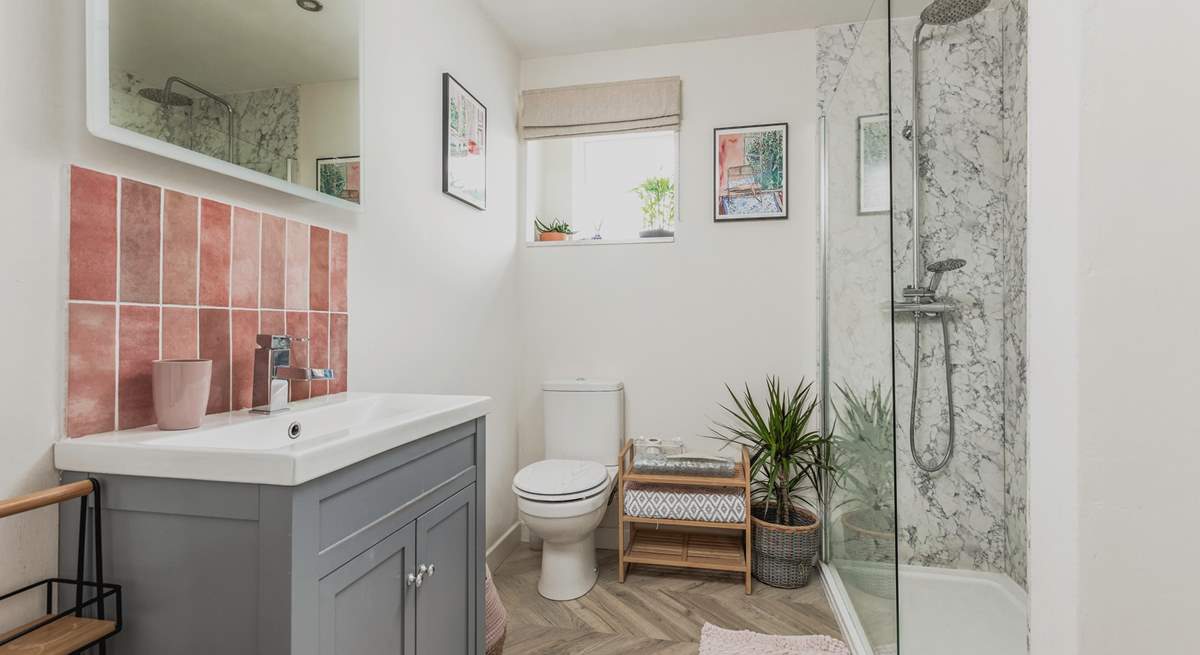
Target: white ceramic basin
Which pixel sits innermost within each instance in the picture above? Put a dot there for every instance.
(334, 432)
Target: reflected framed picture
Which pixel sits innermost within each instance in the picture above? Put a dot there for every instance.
(874, 165)
(340, 177)
(750, 172)
(464, 144)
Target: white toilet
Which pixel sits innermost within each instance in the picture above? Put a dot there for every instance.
(562, 499)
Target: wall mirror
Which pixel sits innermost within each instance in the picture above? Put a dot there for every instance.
(263, 90)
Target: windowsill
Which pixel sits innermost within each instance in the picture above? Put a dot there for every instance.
(598, 242)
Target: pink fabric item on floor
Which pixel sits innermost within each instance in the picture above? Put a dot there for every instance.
(718, 641)
(495, 622)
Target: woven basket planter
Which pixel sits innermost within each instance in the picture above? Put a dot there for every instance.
(785, 555)
(872, 553)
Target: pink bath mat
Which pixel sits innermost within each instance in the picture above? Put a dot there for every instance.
(718, 641)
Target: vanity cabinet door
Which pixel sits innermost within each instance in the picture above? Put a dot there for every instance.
(446, 600)
(367, 606)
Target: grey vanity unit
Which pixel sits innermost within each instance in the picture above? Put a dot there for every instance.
(383, 556)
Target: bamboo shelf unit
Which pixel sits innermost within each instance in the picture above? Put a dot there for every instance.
(68, 630)
(675, 542)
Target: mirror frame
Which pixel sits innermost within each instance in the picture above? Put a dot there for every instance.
(100, 125)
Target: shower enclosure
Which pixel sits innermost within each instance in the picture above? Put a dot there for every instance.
(922, 325)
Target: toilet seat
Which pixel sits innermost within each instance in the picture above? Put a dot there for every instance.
(561, 481)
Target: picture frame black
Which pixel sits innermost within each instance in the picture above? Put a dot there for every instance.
(339, 159)
(716, 166)
(449, 83)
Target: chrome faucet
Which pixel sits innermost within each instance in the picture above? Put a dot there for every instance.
(273, 373)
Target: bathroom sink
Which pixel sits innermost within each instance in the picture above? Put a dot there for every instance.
(314, 438)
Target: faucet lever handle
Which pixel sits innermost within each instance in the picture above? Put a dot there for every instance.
(277, 341)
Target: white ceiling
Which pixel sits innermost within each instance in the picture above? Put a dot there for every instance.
(542, 28)
(235, 45)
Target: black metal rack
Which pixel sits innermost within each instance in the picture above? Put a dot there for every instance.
(69, 630)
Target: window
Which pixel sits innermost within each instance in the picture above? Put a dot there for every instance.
(604, 188)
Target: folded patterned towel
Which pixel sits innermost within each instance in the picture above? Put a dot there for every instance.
(718, 641)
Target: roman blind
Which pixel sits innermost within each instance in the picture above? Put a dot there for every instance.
(632, 106)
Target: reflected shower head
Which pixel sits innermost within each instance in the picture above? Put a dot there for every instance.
(941, 268)
(949, 12)
(164, 98)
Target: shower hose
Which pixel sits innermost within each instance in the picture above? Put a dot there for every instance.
(912, 415)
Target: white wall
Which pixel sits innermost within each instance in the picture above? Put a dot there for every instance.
(432, 283)
(1114, 446)
(329, 117)
(725, 302)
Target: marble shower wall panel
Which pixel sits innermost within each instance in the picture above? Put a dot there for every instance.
(1015, 16)
(266, 123)
(953, 518)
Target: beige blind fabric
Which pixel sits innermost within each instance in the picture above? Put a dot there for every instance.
(632, 106)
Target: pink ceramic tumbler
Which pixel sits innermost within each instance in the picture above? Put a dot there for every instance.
(181, 392)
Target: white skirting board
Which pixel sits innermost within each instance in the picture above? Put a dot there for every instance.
(504, 546)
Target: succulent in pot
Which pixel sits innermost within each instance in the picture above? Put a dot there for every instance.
(790, 470)
(555, 230)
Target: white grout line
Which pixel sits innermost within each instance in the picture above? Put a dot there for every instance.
(117, 319)
(162, 251)
(175, 306)
(199, 236)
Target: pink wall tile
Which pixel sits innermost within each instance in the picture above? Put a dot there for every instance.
(214, 345)
(297, 266)
(271, 322)
(138, 327)
(274, 237)
(92, 250)
(339, 327)
(180, 333)
(338, 264)
(318, 269)
(214, 253)
(91, 369)
(180, 249)
(318, 348)
(245, 328)
(297, 326)
(245, 258)
(140, 241)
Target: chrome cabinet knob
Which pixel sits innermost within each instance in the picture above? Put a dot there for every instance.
(429, 571)
(416, 579)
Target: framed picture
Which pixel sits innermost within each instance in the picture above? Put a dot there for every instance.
(750, 174)
(340, 177)
(874, 165)
(464, 144)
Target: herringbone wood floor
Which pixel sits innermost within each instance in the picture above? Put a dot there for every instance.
(657, 611)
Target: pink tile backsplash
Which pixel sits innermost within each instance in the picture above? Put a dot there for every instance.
(141, 243)
(92, 245)
(187, 277)
(181, 216)
(214, 253)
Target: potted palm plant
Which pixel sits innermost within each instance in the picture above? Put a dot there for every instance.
(555, 230)
(658, 207)
(790, 465)
(864, 444)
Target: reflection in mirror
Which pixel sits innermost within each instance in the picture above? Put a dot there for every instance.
(269, 85)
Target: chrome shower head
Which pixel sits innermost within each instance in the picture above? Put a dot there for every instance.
(946, 265)
(164, 98)
(949, 12)
(941, 268)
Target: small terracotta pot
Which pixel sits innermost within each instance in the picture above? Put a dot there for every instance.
(552, 236)
(181, 392)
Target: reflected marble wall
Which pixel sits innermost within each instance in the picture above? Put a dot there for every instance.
(971, 515)
(266, 123)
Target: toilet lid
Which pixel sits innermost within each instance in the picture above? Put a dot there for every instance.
(560, 477)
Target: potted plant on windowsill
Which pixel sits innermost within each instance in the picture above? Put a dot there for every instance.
(658, 207)
(789, 467)
(864, 447)
(555, 230)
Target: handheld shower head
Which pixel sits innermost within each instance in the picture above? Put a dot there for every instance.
(949, 12)
(941, 268)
